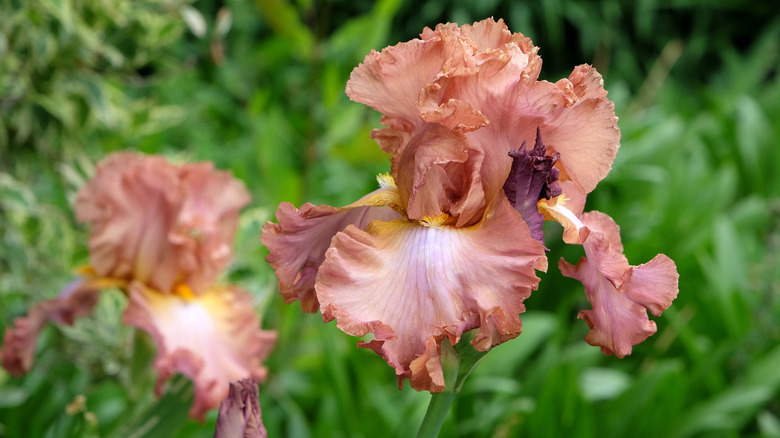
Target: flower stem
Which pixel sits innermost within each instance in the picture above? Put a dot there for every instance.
(456, 363)
(434, 416)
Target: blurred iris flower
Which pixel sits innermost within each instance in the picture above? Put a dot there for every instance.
(451, 240)
(162, 233)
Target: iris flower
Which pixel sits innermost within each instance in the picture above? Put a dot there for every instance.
(163, 234)
(452, 239)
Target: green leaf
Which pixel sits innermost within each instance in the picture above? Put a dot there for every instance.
(603, 383)
(163, 418)
(285, 20)
(12, 396)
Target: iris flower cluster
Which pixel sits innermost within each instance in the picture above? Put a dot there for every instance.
(481, 152)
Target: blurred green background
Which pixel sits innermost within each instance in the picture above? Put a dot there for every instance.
(258, 88)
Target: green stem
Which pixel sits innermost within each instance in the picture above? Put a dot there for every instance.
(434, 416)
(456, 363)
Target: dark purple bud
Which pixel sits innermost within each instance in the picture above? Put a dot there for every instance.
(532, 178)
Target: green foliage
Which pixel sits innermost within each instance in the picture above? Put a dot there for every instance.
(69, 69)
(258, 88)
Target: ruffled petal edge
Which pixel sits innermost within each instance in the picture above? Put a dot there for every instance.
(411, 285)
(620, 294)
(74, 301)
(297, 243)
(212, 338)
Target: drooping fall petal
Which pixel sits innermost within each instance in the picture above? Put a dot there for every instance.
(76, 300)
(159, 223)
(653, 284)
(239, 413)
(412, 284)
(620, 294)
(297, 244)
(213, 338)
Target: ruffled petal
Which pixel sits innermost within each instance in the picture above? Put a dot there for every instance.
(584, 131)
(412, 284)
(390, 82)
(497, 59)
(239, 413)
(574, 115)
(297, 244)
(440, 173)
(478, 85)
(430, 172)
(213, 338)
(654, 284)
(132, 204)
(466, 101)
(76, 300)
(207, 223)
(620, 295)
(159, 223)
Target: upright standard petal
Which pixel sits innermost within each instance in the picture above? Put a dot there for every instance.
(159, 223)
(585, 131)
(131, 204)
(432, 173)
(472, 91)
(620, 294)
(297, 244)
(411, 284)
(408, 67)
(239, 413)
(207, 223)
(429, 142)
(213, 338)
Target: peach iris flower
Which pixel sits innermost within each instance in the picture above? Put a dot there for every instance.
(163, 234)
(451, 240)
